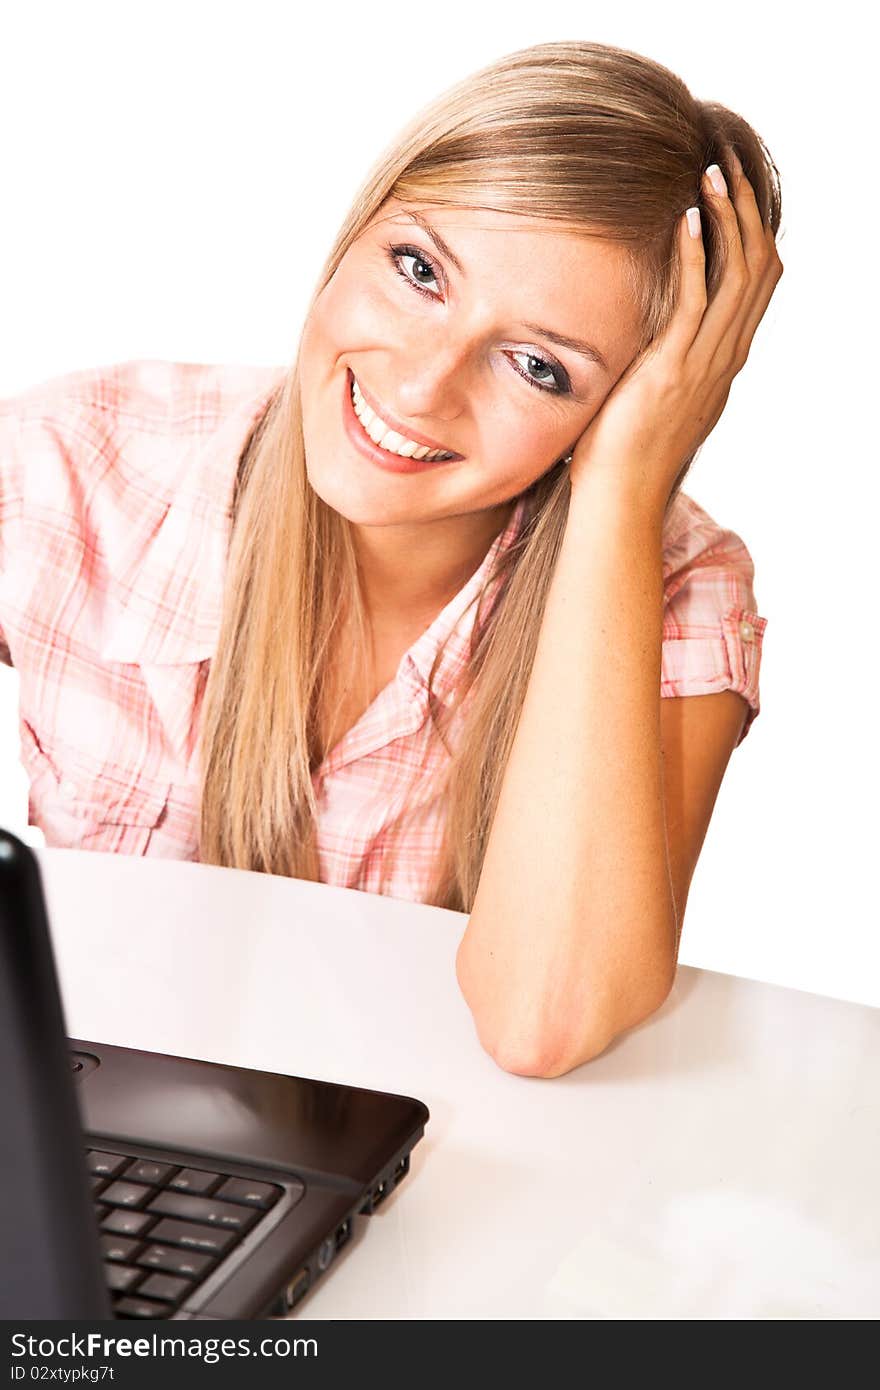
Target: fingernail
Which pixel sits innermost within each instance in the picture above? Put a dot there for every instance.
(716, 178)
(693, 221)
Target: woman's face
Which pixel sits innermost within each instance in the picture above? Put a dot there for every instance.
(467, 357)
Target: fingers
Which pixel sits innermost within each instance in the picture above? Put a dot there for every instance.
(751, 271)
(753, 234)
(692, 294)
(762, 258)
(724, 308)
(754, 314)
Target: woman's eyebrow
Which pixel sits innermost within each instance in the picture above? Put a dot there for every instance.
(561, 339)
(438, 241)
(585, 349)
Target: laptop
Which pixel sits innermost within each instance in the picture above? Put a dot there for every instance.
(139, 1185)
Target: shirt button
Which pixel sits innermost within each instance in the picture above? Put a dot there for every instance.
(746, 631)
(67, 790)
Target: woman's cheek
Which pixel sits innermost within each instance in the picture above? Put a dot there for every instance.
(356, 315)
(523, 441)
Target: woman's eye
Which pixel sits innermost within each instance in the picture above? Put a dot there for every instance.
(556, 374)
(398, 254)
(423, 265)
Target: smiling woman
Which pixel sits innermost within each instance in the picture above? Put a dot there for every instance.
(474, 647)
(515, 255)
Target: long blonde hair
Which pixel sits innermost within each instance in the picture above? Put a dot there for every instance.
(600, 139)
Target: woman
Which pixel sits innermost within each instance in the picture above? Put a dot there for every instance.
(436, 680)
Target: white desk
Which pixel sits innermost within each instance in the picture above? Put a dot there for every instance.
(719, 1161)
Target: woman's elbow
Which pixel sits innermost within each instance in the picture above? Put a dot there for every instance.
(555, 1055)
(532, 1043)
(548, 1059)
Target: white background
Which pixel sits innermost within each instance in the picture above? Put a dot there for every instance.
(174, 174)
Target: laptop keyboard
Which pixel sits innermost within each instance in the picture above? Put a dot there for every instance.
(165, 1227)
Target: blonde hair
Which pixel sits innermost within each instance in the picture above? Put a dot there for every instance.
(600, 139)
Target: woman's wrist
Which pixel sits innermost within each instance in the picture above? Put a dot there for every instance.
(621, 498)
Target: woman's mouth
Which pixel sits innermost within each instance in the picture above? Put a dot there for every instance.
(380, 442)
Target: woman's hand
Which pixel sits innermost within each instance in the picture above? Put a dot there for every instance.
(671, 397)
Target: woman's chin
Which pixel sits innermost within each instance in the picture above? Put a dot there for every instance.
(339, 490)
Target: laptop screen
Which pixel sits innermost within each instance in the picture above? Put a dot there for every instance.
(51, 1266)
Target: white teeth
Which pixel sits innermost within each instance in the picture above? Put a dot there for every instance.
(387, 438)
(398, 444)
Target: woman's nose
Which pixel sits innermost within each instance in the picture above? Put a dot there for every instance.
(430, 380)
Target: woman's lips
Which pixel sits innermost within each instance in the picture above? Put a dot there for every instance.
(392, 463)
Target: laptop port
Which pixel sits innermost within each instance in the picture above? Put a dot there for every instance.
(402, 1167)
(382, 1188)
(343, 1233)
(326, 1252)
(297, 1287)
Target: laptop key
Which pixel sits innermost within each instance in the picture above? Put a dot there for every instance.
(108, 1165)
(185, 1262)
(165, 1286)
(200, 1238)
(253, 1194)
(118, 1247)
(126, 1223)
(139, 1308)
(194, 1180)
(121, 1277)
(126, 1194)
(144, 1170)
(230, 1217)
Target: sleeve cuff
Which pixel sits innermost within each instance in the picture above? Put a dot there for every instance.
(705, 664)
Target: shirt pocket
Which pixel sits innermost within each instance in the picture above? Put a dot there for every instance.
(80, 803)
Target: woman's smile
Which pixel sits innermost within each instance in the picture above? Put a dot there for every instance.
(398, 452)
(383, 429)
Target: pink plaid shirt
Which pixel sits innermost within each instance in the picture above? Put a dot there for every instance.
(115, 497)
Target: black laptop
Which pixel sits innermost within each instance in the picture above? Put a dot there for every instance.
(139, 1185)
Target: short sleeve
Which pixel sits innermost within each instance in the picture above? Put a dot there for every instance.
(712, 631)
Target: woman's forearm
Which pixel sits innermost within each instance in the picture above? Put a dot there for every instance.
(572, 933)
